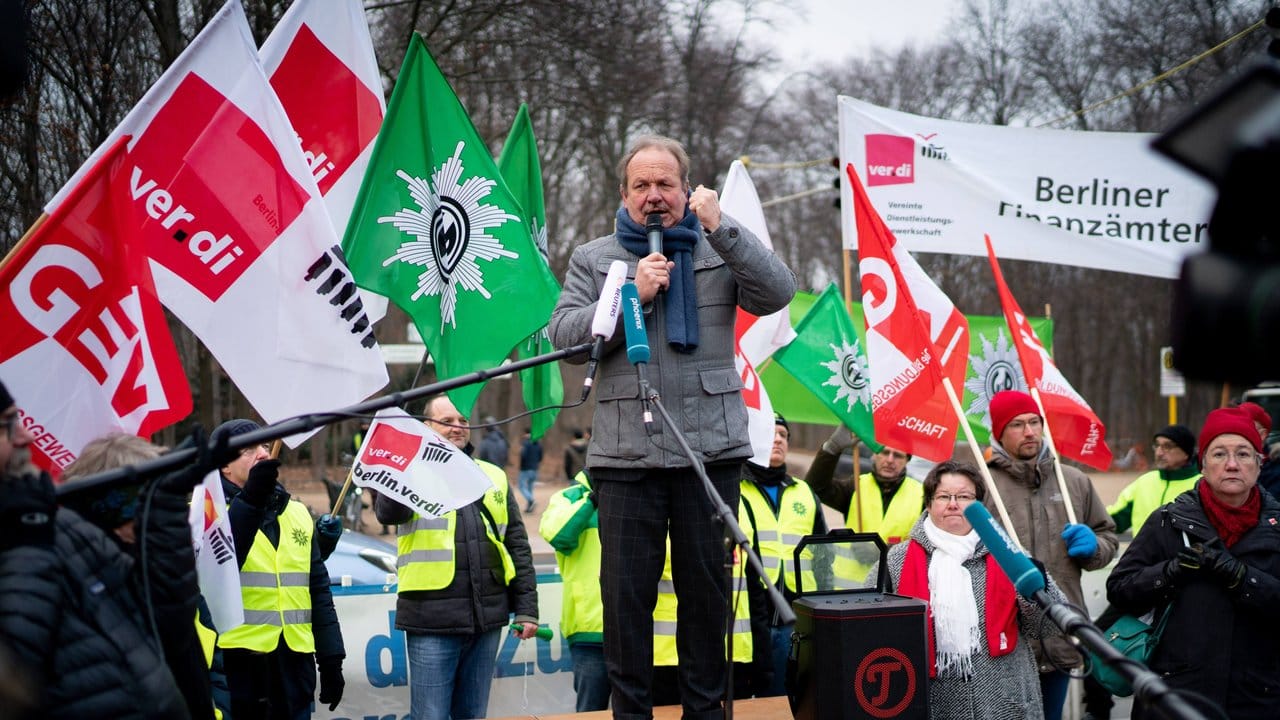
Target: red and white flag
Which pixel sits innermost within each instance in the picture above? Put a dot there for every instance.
(216, 567)
(756, 337)
(241, 246)
(407, 461)
(915, 338)
(321, 64)
(1077, 432)
(86, 349)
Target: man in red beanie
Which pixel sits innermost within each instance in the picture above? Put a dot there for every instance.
(1023, 471)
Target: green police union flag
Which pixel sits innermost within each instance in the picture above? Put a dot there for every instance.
(541, 386)
(829, 360)
(436, 230)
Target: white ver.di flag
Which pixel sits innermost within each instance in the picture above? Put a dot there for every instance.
(756, 337)
(320, 61)
(408, 462)
(241, 246)
(216, 567)
(1101, 200)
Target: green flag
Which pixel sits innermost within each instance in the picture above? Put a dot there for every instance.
(436, 230)
(994, 366)
(828, 359)
(541, 386)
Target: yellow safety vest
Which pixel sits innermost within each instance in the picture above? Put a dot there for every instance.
(426, 551)
(665, 611)
(778, 536)
(275, 587)
(208, 639)
(893, 525)
(581, 612)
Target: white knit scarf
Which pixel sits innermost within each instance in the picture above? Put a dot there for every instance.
(955, 610)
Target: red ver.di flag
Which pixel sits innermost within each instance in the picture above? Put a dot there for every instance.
(242, 248)
(410, 463)
(86, 349)
(916, 339)
(321, 64)
(1077, 432)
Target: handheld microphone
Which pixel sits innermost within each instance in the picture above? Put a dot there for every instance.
(653, 229)
(605, 320)
(637, 344)
(1026, 577)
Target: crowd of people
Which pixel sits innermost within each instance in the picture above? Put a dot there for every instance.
(102, 616)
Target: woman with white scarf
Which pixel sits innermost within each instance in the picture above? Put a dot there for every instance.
(980, 629)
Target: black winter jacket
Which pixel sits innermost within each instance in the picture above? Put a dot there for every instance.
(476, 600)
(1218, 642)
(71, 614)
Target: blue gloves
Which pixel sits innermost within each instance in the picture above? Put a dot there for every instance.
(1080, 540)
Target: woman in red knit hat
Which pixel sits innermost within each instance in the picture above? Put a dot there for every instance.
(1211, 558)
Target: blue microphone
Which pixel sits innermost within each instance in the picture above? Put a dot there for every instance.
(633, 325)
(637, 345)
(1026, 577)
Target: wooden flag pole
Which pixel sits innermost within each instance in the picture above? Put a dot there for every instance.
(1057, 461)
(982, 465)
(25, 236)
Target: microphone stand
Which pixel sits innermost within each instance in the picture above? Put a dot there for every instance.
(733, 535)
(131, 474)
(1148, 687)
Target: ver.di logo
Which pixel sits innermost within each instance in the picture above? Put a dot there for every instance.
(450, 233)
(849, 375)
(996, 369)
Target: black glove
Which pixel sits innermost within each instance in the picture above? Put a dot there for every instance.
(261, 482)
(1222, 565)
(331, 683)
(1189, 561)
(209, 457)
(27, 508)
(328, 531)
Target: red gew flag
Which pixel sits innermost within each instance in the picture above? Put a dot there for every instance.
(86, 349)
(1076, 430)
(915, 338)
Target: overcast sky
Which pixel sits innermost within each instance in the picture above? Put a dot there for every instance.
(834, 29)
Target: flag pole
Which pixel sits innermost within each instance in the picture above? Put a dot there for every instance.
(847, 268)
(25, 236)
(1057, 461)
(982, 464)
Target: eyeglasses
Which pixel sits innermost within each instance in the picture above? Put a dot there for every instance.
(1166, 447)
(253, 449)
(1241, 456)
(1020, 425)
(961, 500)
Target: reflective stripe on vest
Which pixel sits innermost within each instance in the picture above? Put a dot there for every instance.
(779, 535)
(666, 610)
(275, 586)
(426, 558)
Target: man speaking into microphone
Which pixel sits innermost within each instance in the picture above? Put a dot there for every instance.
(707, 267)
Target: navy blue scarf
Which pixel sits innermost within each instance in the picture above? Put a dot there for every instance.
(681, 300)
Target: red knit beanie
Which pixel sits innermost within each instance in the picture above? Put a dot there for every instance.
(1258, 413)
(1232, 421)
(1007, 405)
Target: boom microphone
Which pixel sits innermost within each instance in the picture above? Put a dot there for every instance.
(637, 345)
(653, 228)
(1027, 578)
(605, 320)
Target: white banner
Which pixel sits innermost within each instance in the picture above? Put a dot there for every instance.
(1100, 200)
(532, 677)
(410, 463)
